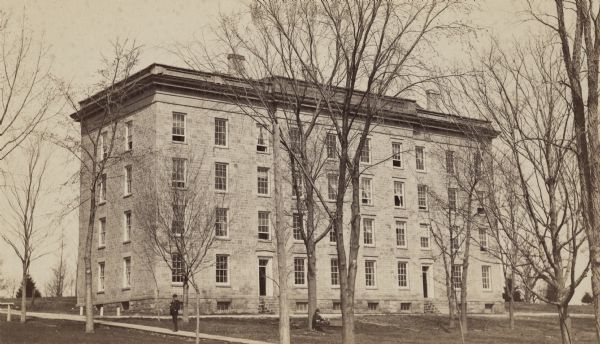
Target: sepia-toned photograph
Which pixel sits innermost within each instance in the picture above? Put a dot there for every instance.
(300, 171)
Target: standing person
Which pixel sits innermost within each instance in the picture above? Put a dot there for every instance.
(174, 310)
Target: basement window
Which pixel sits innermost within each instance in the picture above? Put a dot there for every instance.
(405, 306)
(223, 306)
(302, 306)
(373, 306)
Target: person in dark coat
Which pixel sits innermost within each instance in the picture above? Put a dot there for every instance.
(174, 310)
(318, 321)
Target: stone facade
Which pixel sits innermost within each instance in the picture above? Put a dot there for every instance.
(151, 113)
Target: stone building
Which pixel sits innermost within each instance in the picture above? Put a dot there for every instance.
(175, 112)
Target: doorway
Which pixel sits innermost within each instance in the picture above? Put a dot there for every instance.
(263, 275)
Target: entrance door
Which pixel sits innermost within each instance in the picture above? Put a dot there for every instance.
(262, 276)
(425, 276)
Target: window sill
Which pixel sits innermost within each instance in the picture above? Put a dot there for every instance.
(407, 288)
(222, 238)
(425, 248)
(176, 284)
(420, 171)
(368, 245)
(128, 241)
(371, 287)
(265, 240)
(102, 247)
(100, 292)
(126, 288)
(400, 207)
(179, 142)
(221, 191)
(221, 147)
(366, 204)
(423, 210)
(336, 286)
(398, 167)
(127, 195)
(486, 290)
(263, 195)
(223, 285)
(402, 247)
(300, 286)
(263, 153)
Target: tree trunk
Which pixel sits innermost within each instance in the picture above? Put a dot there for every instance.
(87, 260)
(565, 323)
(511, 300)
(156, 292)
(197, 317)
(186, 302)
(451, 303)
(312, 281)
(595, 267)
(280, 236)
(24, 295)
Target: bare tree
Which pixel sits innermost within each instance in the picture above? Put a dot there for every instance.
(27, 90)
(179, 214)
(57, 284)
(99, 117)
(23, 233)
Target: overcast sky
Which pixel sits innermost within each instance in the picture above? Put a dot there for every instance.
(79, 31)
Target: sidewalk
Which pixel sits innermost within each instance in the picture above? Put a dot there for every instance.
(72, 317)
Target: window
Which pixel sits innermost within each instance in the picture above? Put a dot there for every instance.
(422, 196)
(335, 272)
(336, 305)
(301, 306)
(222, 269)
(103, 146)
(331, 144)
(397, 154)
(128, 177)
(297, 226)
(223, 306)
(102, 233)
(402, 274)
(366, 191)
(221, 228)
(480, 201)
(477, 164)
(126, 272)
(178, 221)
(368, 232)
(398, 194)
(128, 135)
(400, 233)
(178, 132)
(101, 279)
(176, 268)
(333, 233)
(450, 162)
(220, 132)
(420, 158)
(370, 278)
(263, 180)
(452, 199)
(263, 226)
(299, 271)
(424, 235)
(295, 139)
(483, 242)
(262, 142)
(372, 306)
(405, 306)
(485, 277)
(456, 274)
(103, 188)
(220, 176)
(297, 178)
(178, 175)
(332, 180)
(127, 229)
(455, 240)
(365, 155)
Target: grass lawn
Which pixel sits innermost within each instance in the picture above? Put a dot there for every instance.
(397, 329)
(71, 332)
(546, 308)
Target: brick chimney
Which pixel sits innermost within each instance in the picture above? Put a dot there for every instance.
(433, 100)
(236, 64)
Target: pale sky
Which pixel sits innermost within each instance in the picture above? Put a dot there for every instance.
(79, 31)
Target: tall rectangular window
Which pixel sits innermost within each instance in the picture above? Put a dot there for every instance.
(102, 233)
(424, 236)
(370, 273)
(456, 275)
(422, 196)
(455, 240)
(221, 227)
(480, 202)
(398, 194)
(178, 173)
(402, 274)
(365, 155)
(366, 191)
(401, 234)
(178, 220)
(299, 271)
(128, 135)
(397, 154)
(262, 141)
(450, 162)
(332, 181)
(127, 226)
(222, 269)
(483, 241)
(103, 146)
(262, 180)
(297, 226)
(178, 130)
(263, 226)
(477, 164)
(128, 178)
(220, 176)
(126, 272)
(101, 279)
(485, 277)
(420, 158)
(452, 199)
(176, 268)
(297, 178)
(368, 232)
(335, 272)
(220, 132)
(331, 145)
(333, 234)
(295, 139)
(102, 188)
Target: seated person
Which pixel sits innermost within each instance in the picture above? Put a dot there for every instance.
(318, 321)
